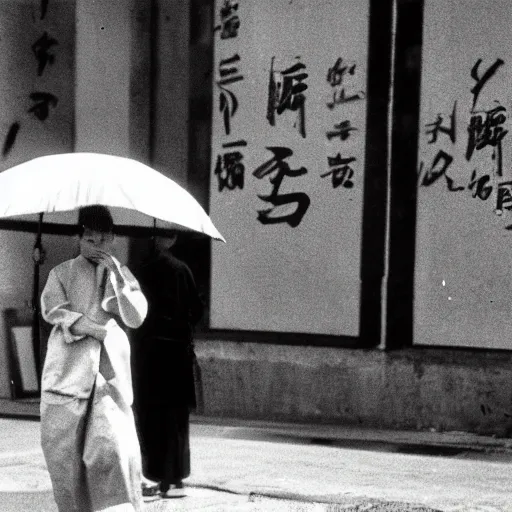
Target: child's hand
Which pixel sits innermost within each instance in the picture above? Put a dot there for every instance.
(99, 256)
(104, 258)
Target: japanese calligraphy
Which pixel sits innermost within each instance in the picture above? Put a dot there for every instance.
(504, 197)
(228, 103)
(338, 71)
(486, 129)
(480, 186)
(43, 101)
(438, 126)
(229, 168)
(336, 76)
(341, 172)
(279, 168)
(341, 168)
(444, 124)
(41, 51)
(439, 166)
(229, 20)
(342, 130)
(10, 139)
(286, 92)
(483, 79)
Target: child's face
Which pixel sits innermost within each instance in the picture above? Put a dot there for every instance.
(92, 240)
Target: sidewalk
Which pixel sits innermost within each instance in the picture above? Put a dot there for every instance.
(269, 466)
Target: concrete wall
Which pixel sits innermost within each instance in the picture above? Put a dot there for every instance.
(446, 390)
(112, 77)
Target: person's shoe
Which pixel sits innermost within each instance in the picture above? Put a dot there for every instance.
(147, 481)
(150, 489)
(175, 491)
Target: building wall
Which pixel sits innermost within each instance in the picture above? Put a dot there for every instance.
(251, 375)
(256, 376)
(416, 389)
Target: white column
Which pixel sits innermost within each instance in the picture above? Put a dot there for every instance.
(110, 44)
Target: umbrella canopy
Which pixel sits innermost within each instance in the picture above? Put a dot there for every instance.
(136, 194)
(52, 188)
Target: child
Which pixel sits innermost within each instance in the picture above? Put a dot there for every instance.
(88, 433)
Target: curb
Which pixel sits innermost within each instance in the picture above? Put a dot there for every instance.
(348, 502)
(332, 434)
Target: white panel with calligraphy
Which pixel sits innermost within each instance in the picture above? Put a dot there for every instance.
(37, 54)
(463, 266)
(289, 125)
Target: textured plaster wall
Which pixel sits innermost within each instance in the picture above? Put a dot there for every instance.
(412, 389)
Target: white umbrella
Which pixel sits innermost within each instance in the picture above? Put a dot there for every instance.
(65, 182)
(139, 196)
(52, 188)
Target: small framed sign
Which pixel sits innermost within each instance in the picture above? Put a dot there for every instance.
(23, 372)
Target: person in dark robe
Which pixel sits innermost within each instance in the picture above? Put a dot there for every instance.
(164, 367)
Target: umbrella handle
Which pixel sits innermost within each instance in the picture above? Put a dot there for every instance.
(38, 256)
(152, 240)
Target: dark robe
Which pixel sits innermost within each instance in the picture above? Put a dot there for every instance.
(164, 366)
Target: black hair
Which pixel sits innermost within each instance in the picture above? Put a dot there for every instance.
(96, 217)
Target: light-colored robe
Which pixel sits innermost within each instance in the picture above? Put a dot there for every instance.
(87, 428)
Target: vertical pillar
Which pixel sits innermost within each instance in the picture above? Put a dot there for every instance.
(171, 89)
(112, 77)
